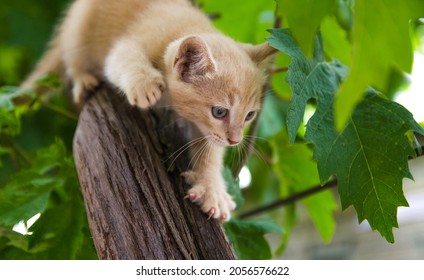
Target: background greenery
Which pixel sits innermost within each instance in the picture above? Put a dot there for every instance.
(328, 74)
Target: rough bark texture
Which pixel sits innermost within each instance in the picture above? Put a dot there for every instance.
(134, 199)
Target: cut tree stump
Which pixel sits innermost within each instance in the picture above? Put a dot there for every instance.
(133, 196)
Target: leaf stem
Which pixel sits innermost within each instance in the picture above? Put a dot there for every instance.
(278, 70)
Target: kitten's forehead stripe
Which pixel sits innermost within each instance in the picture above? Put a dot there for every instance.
(234, 109)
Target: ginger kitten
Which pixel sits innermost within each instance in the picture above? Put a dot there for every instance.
(150, 48)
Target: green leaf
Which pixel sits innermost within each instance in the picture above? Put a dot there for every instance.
(377, 54)
(29, 190)
(231, 18)
(50, 187)
(23, 203)
(307, 78)
(247, 238)
(10, 113)
(369, 157)
(304, 18)
(294, 161)
(9, 122)
(14, 103)
(335, 40)
(66, 221)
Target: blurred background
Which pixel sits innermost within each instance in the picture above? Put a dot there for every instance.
(358, 242)
(25, 29)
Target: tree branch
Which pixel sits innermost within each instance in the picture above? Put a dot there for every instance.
(134, 199)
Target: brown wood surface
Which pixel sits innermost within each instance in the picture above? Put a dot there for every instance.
(134, 198)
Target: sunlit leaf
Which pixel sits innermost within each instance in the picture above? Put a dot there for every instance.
(304, 18)
(230, 16)
(381, 45)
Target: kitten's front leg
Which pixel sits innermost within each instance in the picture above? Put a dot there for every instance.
(208, 186)
(128, 67)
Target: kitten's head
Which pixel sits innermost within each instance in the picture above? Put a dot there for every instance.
(217, 83)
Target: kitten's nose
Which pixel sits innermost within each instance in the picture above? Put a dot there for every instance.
(232, 142)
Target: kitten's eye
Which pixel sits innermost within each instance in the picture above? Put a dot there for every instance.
(250, 115)
(219, 112)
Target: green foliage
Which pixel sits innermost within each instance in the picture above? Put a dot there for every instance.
(369, 157)
(371, 170)
(377, 55)
(45, 183)
(231, 18)
(9, 112)
(367, 152)
(292, 163)
(304, 22)
(247, 238)
(50, 187)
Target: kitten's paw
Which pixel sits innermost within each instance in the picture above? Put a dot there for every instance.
(83, 84)
(213, 200)
(147, 91)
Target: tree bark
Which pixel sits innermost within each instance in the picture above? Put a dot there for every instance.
(133, 196)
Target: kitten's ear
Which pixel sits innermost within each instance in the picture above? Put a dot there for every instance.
(262, 54)
(193, 59)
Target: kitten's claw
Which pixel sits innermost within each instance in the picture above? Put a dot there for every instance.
(191, 197)
(211, 213)
(210, 195)
(224, 217)
(147, 92)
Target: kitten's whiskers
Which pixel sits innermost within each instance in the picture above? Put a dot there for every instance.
(249, 147)
(181, 150)
(199, 153)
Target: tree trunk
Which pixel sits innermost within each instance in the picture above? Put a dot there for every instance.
(133, 195)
